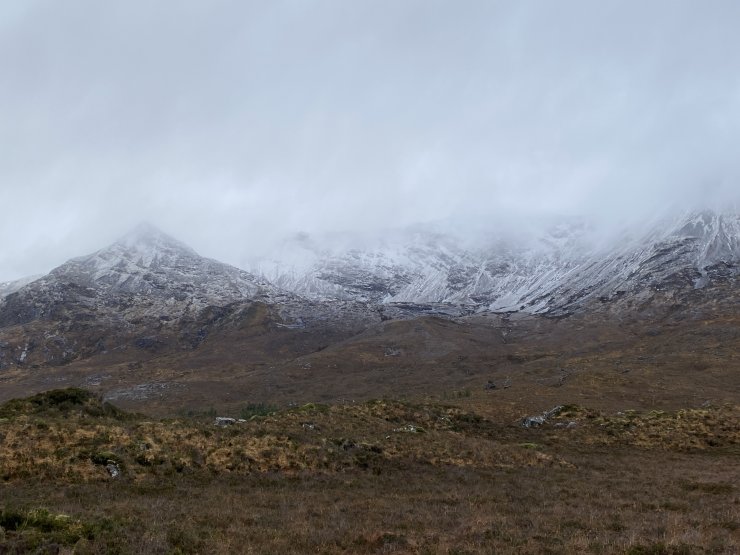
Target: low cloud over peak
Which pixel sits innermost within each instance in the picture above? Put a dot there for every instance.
(232, 124)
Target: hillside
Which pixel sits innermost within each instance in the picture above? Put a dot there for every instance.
(151, 325)
(555, 271)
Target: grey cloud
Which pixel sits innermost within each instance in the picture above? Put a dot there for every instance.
(232, 123)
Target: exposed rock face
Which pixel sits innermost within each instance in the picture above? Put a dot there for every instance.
(8, 287)
(151, 293)
(145, 274)
(425, 265)
(139, 290)
(690, 253)
(554, 273)
(539, 419)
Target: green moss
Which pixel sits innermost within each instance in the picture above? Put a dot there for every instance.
(61, 402)
(39, 526)
(105, 457)
(313, 407)
(256, 409)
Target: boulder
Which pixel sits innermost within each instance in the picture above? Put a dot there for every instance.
(224, 421)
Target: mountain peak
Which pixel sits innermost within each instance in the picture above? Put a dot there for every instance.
(147, 261)
(146, 238)
(145, 228)
(123, 264)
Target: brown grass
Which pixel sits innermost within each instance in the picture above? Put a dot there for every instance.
(376, 477)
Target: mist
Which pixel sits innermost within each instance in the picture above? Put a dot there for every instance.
(232, 124)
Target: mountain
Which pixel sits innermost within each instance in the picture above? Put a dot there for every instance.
(555, 272)
(144, 273)
(8, 287)
(144, 288)
(427, 309)
(693, 252)
(152, 293)
(424, 264)
(151, 264)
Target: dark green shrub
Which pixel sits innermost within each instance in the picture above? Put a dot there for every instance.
(256, 409)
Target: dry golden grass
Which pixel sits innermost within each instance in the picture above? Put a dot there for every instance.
(375, 477)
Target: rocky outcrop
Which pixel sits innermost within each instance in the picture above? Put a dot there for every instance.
(556, 272)
(147, 291)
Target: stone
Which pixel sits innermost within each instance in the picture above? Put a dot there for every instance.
(539, 420)
(410, 429)
(533, 421)
(224, 421)
(113, 469)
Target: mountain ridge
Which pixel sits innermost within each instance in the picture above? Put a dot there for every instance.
(149, 291)
(146, 289)
(560, 270)
(132, 341)
(149, 262)
(557, 272)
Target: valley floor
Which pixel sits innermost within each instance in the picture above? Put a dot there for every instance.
(381, 476)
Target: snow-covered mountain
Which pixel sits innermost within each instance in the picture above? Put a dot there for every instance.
(556, 270)
(144, 274)
(148, 262)
(428, 264)
(8, 287)
(150, 292)
(692, 251)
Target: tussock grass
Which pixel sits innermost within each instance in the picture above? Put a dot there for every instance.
(355, 479)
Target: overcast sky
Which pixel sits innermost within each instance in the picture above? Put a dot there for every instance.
(231, 123)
